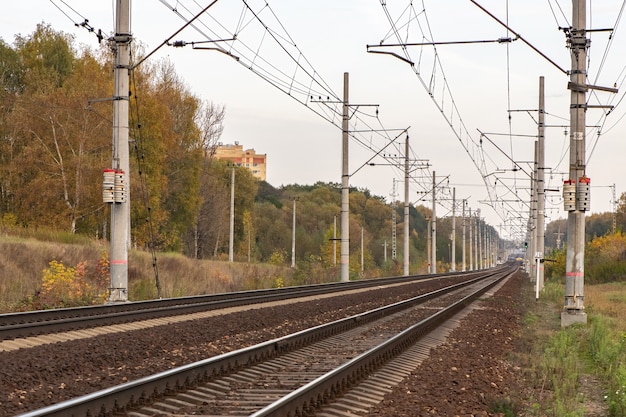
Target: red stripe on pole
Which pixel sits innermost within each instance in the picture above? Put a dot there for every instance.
(574, 274)
(119, 262)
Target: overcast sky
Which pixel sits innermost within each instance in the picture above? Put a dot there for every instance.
(486, 80)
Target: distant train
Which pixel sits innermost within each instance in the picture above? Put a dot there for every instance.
(515, 257)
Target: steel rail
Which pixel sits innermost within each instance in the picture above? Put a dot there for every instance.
(336, 382)
(121, 397)
(15, 325)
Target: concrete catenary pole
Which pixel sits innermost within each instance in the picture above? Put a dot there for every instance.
(487, 246)
(335, 241)
(428, 244)
(573, 311)
(463, 237)
(120, 211)
(530, 251)
(490, 247)
(471, 240)
(479, 251)
(541, 193)
(453, 256)
(345, 187)
(535, 233)
(394, 222)
(475, 221)
(434, 229)
(293, 236)
(485, 255)
(231, 235)
(406, 207)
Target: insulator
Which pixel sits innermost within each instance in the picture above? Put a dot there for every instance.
(583, 197)
(120, 186)
(108, 185)
(569, 195)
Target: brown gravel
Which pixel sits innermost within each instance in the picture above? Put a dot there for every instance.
(468, 375)
(36, 377)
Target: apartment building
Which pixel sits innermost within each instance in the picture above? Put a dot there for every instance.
(248, 158)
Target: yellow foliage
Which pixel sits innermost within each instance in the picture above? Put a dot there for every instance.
(68, 286)
(8, 220)
(611, 246)
(277, 257)
(61, 282)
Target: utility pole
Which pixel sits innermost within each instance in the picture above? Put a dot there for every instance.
(487, 243)
(231, 235)
(293, 236)
(483, 247)
(574, 310)
(614, 202)
(453, 256)
(434, 229)
(471, 239)
(428, 244)
(479, 242)
(463, 238)
(345, 187)
(335, 241)
(406, 207)
(558, 238)
(487, 246)
(475, 224)
(120, 210)
(490, 247)
(530, 250)
(541, 196)
(394, 222)
(492, 250)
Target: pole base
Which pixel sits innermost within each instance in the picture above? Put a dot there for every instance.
(569, 317)
(117, 296)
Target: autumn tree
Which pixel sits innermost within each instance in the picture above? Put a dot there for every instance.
(605, 258)
(209, 236)
(11, 79)
(56, 142)
(621, 212)
(207, 227)
(210, 230)
(168, 154)
(273, 232)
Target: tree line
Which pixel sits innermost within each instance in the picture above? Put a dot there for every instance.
(55, 140)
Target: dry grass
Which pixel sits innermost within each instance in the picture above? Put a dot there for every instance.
(23, 259)
(608, 300)
(578, 370)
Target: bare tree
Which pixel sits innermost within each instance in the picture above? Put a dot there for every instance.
(210, 120)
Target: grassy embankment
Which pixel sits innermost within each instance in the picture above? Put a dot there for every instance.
(579, 370)
(26, 254)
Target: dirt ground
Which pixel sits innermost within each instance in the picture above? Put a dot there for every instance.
(469, 375)
(483, 368)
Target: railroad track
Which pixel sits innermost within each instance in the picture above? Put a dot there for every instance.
(20, 325)
(295, 374)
